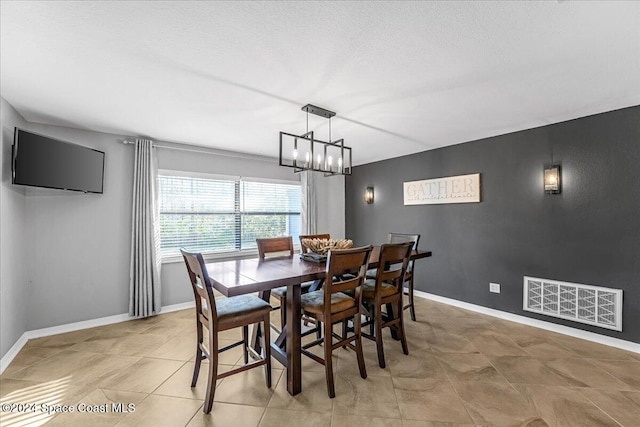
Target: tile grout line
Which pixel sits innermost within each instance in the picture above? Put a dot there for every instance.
(395, 394)
(167, 379)
(511, 385)
(455, 390)
(591, 361)
(597, 406)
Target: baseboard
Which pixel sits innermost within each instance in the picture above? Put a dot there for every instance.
(553, 327)
(13, 352)
(76, 326)
(178, 307)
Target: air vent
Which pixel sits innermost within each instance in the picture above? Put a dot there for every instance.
(581, 303)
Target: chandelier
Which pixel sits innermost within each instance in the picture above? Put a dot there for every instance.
(306, 153)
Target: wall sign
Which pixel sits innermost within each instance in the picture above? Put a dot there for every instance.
(450, 189)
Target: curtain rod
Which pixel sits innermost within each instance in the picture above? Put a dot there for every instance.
(211, 151)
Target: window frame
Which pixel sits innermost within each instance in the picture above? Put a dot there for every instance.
(232, 254)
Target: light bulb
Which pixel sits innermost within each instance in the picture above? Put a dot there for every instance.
(295, 153)
(330, 160)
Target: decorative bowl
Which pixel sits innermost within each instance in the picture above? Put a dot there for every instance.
(322, 246)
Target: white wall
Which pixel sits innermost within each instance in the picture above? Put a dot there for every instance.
(79, 244)
(330, 205)
(13, 255)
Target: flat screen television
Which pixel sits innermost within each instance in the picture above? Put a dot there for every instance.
(40, 161)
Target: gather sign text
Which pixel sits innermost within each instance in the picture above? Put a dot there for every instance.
(451, 189)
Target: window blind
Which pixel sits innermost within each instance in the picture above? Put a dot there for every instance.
(224, 215)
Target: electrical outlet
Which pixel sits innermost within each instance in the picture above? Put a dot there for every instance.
(494, 287)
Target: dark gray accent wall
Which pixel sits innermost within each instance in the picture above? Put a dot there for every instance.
(589, 234)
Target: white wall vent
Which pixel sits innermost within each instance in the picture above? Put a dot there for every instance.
(592, 305)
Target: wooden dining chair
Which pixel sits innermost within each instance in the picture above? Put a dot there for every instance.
(386, 291)
(220, 315)
(306, 250)
(273, 247)
(331, 305)
(408, 279)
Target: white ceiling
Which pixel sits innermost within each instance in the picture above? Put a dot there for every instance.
(403, 77)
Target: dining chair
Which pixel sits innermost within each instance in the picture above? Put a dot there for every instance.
(386, 291)
(331, 305)
(408, 278)
(221, 315)
(306, 250)
(273, 247)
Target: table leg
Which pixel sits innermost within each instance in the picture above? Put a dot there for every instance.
(294, 362)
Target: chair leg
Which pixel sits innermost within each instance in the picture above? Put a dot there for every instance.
(372, 323)
(403, 336)
(328, 361)
(357, 329)
(213, 372)
(412, 307)
(389, 314)
(245, 343)
(344, 331)
(266, 345)
(196, 369)
(378, 335)
(199, 356)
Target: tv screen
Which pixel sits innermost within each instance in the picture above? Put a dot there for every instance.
(40, 161)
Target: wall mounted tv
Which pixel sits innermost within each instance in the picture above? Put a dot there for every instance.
(40, 161)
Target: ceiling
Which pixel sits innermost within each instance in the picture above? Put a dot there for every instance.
(403, 77)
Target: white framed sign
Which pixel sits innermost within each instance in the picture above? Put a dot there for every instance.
(450, 189)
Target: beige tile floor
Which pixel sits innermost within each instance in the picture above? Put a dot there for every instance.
(463, 369)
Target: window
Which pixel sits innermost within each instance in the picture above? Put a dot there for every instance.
(224, 214)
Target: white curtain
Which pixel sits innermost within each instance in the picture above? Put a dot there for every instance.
(309, 213)
(144, 278)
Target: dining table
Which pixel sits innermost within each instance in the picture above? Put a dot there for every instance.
(244, 276)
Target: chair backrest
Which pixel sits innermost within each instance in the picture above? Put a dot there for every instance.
(275, 246)
(303, 248)
(392, 265)
(342, 261)
(202, 289)
(403, 238)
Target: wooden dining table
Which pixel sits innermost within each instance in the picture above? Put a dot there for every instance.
(239, 277)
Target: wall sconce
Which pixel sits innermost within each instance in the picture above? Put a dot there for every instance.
(368, 195)
(552, 179)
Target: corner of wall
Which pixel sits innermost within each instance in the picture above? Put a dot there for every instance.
(13, 290)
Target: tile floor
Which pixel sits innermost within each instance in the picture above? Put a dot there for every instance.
(463, 369)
